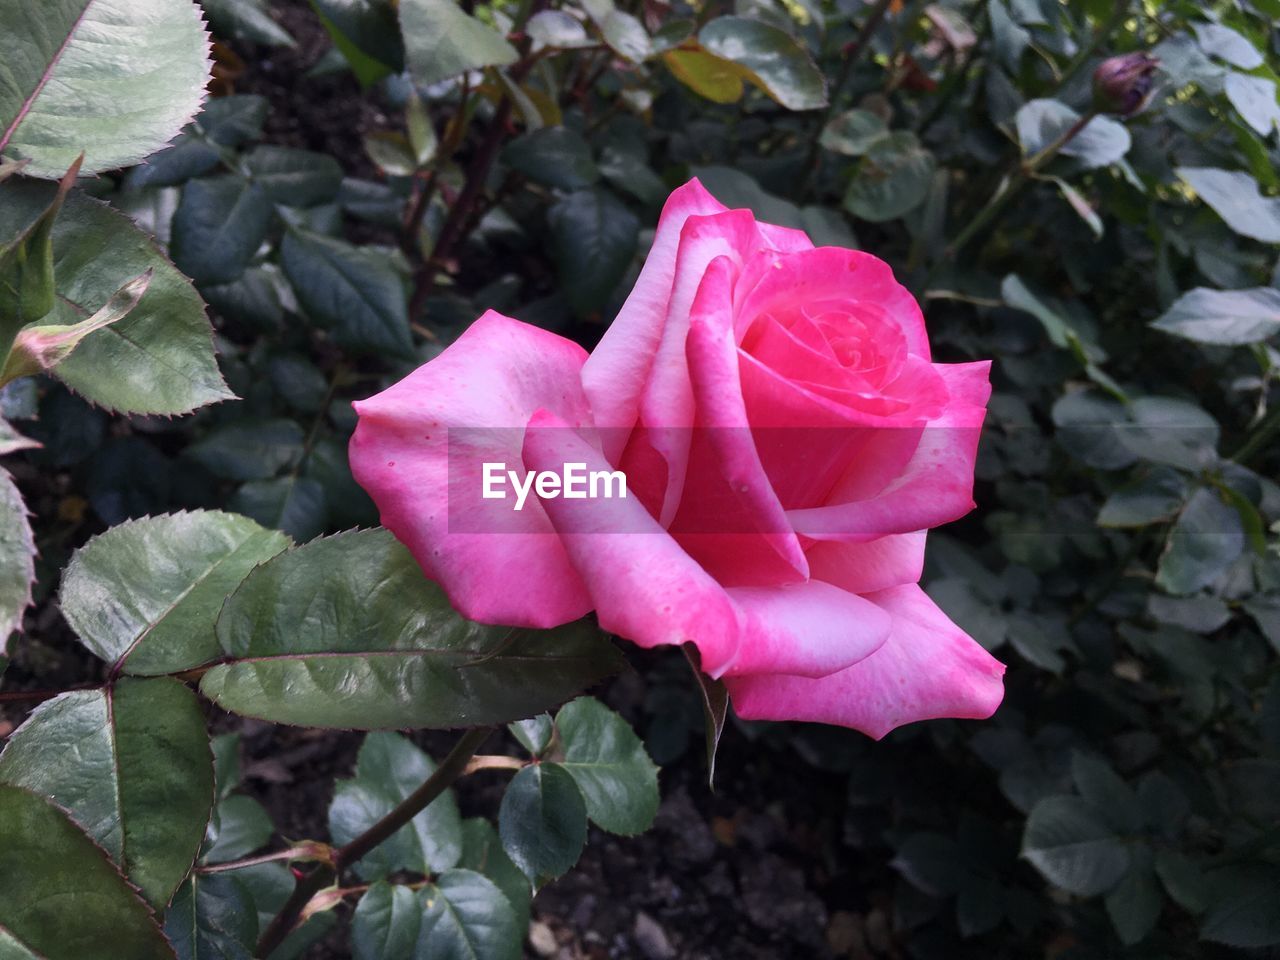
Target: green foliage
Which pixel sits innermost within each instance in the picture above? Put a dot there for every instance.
(62, 97)
(543, 821)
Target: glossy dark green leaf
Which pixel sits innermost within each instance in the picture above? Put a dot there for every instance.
(543, 821)
(555, 28)
(158, 359)
(534, 734)
(1107, 792)
(595, 238)
(17, 558)
(462, 916)
(1157, 495)
(717, 79)
(367, 34)
(62, 96)
(1135, 903)
(854, 132)
(1068, 841)
(249, 450)
(1041, 123)
(131, 763)
(892, 179)
(1227, 317)
(556, 156)
(218, 227)
(298, 506)
(1236, 198)
(608, 763)
(240, 825)
(388, 769)
(776, 63)
(360, 638)
(246, 20)
(1207, 538)
(212, 918)
(295, 178)
(1245, 907)
(351, 291)
(482, 852)
(62, 896)
(626, 36)
(144, 595)
(442, 41)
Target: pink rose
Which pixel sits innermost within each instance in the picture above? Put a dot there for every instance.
(786, 443)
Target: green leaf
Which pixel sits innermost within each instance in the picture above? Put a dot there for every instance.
(1245, 907)
(1227, 317)
(299, 506)
(626, 36)
(224, 122)
(714, 696)
(1069, 842)
(392, 152)
(367, 34)
(1040, 123)
(1135, 903)
(1207, 539)
(12, 441)
(556, 156)
(62, 896)
(159, 359)
(131, 764)
(555, 28)
(246, 20)
(534, 734)
(933, 863)
(144, 595)
(295, 178)
(212, 918)
(1218, 40)
(27, 284)
(462, 916)
(595, 239)
(482, 852)
(239, 826)
(62, 96)
(442, 41)
(360, 638)
(892, 179)
(1080, 205)
(388, 769)
(854, 132)
(467, 918)
(1152, 498)
(353, 292)
(717, 79)
(218, 227)
(608, 763)
(41, 347)
(1236, 198)
(249, 450)
(1106, 792)
(17, 558)
(1255, 100)
(543, 821)
(775, 62)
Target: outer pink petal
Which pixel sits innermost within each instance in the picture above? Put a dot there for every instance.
(510, 567)
(936, 485)
(615, 375)
(867, 567)
(641, 582)
(805, 629)
(834, 273)
(729, 517)
(928, 668)
(785, 239)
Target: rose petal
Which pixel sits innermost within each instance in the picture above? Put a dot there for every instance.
(729, 519)
(928, 668)
(933, 488)
(867, 567)
(642, 583)
(805, 629)
(615, 375)
(496, 564)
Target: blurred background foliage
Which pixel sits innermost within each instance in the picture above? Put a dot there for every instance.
(370, 176)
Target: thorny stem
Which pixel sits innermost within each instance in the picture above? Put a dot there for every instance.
(450, 769)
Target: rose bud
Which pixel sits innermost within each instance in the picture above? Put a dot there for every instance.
(1122, 85)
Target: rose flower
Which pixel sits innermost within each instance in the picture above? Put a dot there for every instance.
(786, 443)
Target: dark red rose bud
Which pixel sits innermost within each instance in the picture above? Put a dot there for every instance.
(1122, 85)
